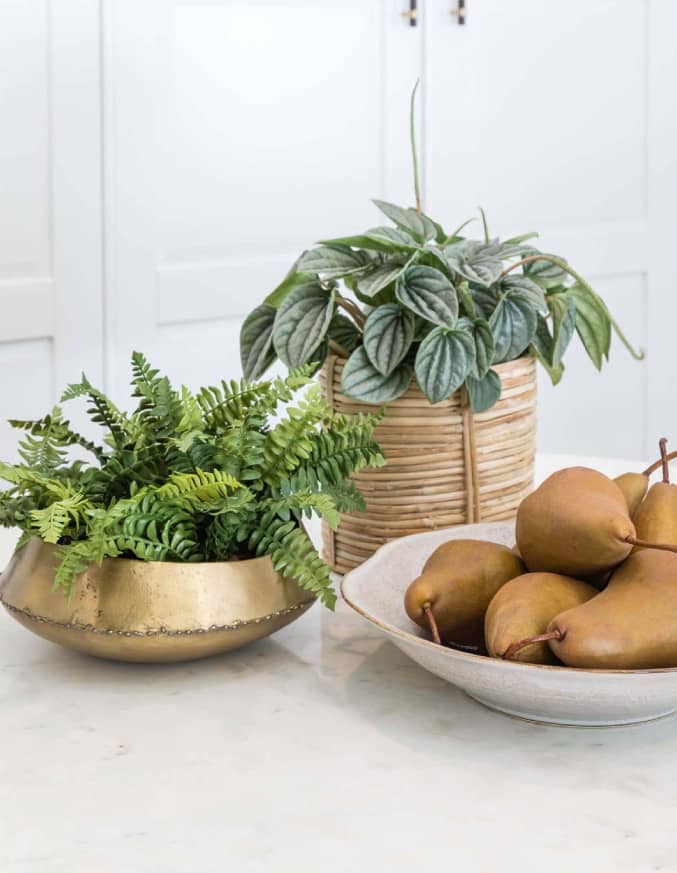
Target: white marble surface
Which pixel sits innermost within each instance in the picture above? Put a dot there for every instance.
(320, 749)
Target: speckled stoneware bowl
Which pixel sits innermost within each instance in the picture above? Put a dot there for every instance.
(553, 695)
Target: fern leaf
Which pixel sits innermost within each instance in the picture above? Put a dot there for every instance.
(53, 521)
(101, 410)
(200, 488)
(295, 557)
(58, 431)
(291, 441)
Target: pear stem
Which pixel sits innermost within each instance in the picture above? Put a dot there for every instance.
(663, 446)
(659, 463)
(665, 547)
(434, 630)
(522, 644)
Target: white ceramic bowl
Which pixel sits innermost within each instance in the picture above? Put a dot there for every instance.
(554, 695)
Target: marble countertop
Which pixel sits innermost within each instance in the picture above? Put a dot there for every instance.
(322, 748)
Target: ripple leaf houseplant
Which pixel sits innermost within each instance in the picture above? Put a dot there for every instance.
(421, 318)
(188, 480)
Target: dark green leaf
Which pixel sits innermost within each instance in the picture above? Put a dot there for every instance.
(466, 299)
(376, 279)
(484, 347)
(428, 293)
(301, 323)
(484, 392)
(388, 333)
(256, 341)
(343, 331)
(416, 223)
(476, 261)
(378, 239)
(362, 381)
(513, 324)
(287, 285)
(443, 361)
(563, 309)
(592, 324)
(523, 287)
(544, 273)
(542, 341)
(520, 239)
(542, 346)
(334, 261)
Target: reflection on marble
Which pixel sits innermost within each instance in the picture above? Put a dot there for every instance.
(321, 749)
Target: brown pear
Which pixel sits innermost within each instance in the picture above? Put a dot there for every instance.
(656, 518)
(455, 587)
(524, 607)
(634, 487)
(630, 625)
(576, 523)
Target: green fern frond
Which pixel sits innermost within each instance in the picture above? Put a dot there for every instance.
(58, 432)
(290, 442)
(54, 520)
(295, 557)
(224, 405)
(159, 409)
(299, 505)
(199, 488)
(347, 496)
(72, 560)
(101, 410)
(189, 427)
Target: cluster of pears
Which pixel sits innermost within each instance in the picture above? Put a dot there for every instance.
(591, 581)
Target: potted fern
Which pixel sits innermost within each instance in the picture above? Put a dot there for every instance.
(446, 329)
(182, 533)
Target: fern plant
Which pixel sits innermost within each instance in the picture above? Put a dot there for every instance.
(190, 477)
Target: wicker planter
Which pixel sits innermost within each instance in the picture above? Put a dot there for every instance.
(445, 465)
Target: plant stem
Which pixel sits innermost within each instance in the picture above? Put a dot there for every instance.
(663, 445)
(659, 463)
(522, 644)
(637, 355)
(412, 136)
(352, 310)
(484, 224)
(433, 624)
(340, 350)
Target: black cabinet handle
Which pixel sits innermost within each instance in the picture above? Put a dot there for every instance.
(459, 12)
(412, 13)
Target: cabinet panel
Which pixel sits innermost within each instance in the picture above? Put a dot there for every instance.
(238, 133)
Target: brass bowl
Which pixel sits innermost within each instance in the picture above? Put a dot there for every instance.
(155, 611)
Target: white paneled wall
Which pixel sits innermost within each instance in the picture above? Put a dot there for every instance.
(162, 163)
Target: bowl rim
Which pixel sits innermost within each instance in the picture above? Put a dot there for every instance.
(456, 653)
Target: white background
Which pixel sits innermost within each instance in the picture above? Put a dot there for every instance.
(162, 163)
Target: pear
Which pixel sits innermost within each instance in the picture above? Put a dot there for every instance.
(524, 607)
(455, 587)
(577, 523)
(656, 518)
(634, 486)
(630, 625)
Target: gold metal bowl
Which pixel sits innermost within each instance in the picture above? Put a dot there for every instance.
(155, 611)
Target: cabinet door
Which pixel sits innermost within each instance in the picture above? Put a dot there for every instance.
(238, 132)
(50, 206)
(557, 117)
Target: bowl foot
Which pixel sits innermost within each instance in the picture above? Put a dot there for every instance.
(574, 722)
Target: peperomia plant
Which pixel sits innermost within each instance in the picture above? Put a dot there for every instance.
(410, 299)
(190, 477)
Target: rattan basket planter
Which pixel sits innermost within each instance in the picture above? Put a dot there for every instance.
(445, 465)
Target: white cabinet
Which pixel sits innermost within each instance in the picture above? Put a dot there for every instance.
(541, 113)
(163, 162)
(237, 133)
(51, 326)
